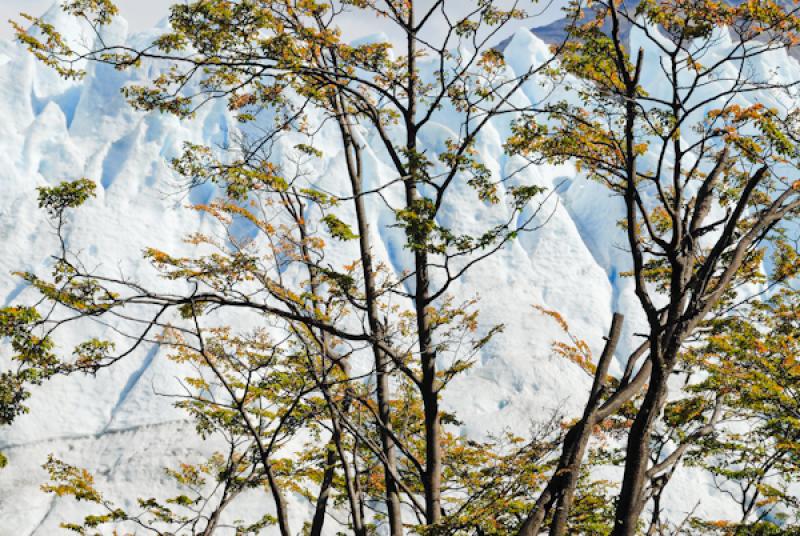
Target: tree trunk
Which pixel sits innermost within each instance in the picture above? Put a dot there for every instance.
(382, 361)
(351, 482)
(429, 388)
(637, 457)
(433, 446)
(390, 468)
(383, 393)
(280, 503)
(321, 507)
(575, 447)
(430, 394)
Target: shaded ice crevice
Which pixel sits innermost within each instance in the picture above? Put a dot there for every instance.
(50, 509)
(89, 437)
(130, 385)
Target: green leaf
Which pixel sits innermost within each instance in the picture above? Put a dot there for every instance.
(66, 195)
(338, 228)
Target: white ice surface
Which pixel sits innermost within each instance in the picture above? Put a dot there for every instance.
(116, 424)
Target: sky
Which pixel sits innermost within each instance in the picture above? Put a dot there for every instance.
(142, 14)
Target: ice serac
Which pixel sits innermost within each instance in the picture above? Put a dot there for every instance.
(118, 426)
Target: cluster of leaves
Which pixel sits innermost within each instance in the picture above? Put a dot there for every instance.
(750, 365)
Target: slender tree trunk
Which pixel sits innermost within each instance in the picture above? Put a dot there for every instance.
(433, 446)
(430, 394)
(429, 387)
(382, 361)
(637, 457)
(350, 477)
(213, 520)
(281, 510)
(351, 482)
(572, 442)
(335, 447)
(335, 454)
(575, 447)
(321, 507)
(430, 390)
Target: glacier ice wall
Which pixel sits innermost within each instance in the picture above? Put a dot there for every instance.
(118, 426)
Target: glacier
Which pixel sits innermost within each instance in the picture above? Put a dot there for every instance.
(120, 427)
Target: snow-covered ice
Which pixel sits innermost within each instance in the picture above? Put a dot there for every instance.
(119, 427)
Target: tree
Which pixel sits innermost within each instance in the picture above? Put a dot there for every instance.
(705, 173)
(706, 176)
(283, 59)
(751, 365)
